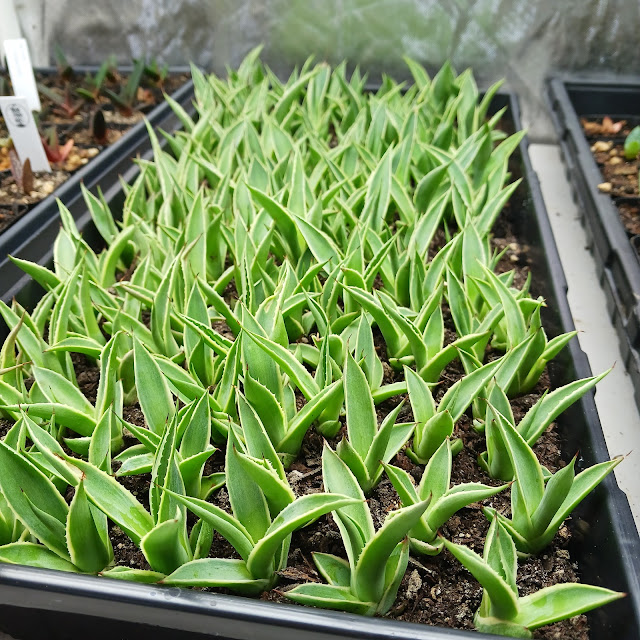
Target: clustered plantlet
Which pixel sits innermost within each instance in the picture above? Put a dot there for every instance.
(541, 504)
(502, 611)
(56, 153)
(105, 85)
(65, 105)
(368, 582)
(442, 499)
(126, 97)
(274, 272)
(95, 82)
(142, 86)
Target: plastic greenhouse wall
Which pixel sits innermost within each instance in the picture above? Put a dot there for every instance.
(521, 40)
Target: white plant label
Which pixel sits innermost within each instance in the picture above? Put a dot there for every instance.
(21, 72)
(24, 132)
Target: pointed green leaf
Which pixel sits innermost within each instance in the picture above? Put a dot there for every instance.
(166, 547)
(85, 541)
(31, 496)
(561, 601)
(153, 392)
(298, 374)
(113, 499)
(228, 526)
(328, 596)
(217, 572)
(362, 423)
(503, 600)
(34, 555)
(298, 514)
(334, 570)
(369, 578)
(133, 575)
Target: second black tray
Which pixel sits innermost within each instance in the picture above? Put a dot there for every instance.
(572, 97)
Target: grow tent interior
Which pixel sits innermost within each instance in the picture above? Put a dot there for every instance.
(513, 39)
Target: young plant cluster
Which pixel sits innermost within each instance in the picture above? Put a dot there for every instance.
(276, 271)
(107, 85)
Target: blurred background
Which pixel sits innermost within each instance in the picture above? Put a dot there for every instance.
(520, 40)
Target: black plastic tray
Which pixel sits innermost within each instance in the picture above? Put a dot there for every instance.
(31, 236)
(605, 540)
(572, 97)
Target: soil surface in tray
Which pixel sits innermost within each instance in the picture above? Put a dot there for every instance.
(435, 590)
(79, 128)
(620, 176)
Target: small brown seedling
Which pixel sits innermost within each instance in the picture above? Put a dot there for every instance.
(99, 130)
(21, 173)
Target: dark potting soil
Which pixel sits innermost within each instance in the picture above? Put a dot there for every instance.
(620, 176)
(630, 216)
(5, 425)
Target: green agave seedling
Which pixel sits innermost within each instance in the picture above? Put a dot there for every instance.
(487, 199)
(368, 581)
(71, 250)
(273, 354)
(266, 360)
(470, 251)
(192, 449)
(502, 611)
(27, 334)
(158, 379)
(521, 320)
(161, 533)
(434, 424)
(419, 342)
(66, 307)
(253, 445)
(260, 527)
(329, 355)
(364, 351)
(496, 460)
(368, 446)
(73, 538)
(540, 504)
(166, 303)
(259, 459)
(54, 395)
(287, 433)
(443, 500)
(465, 319)
(369, 258)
